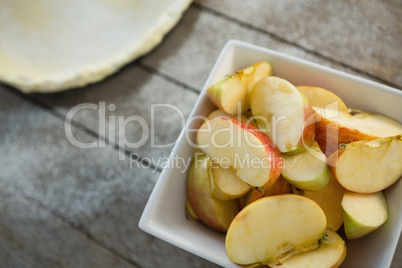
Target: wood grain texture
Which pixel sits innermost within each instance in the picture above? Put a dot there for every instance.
(63, 206)
(30, 236)
(365, 35)
(91, 190)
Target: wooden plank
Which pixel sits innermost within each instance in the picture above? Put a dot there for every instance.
(363, 34)
(90, 189)
(152, 111)
(32, 237)
(189, 52)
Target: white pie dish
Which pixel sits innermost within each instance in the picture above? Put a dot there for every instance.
(57, 45)
(164, 215)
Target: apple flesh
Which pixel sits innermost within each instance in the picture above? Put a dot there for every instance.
(321, 97)
(363, 213)
(274, 228)
(214, 213)
(232, 143)
(376, 119)
(368, 166)
(329, 199)
(330, 253)
(231, 93)
(226, 185)
(333, 128)
(283, 113)
(307, 170)
(217, 113)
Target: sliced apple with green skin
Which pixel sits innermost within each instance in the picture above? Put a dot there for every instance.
(248, 150)
(274, 228)
(214, 213)
(283, 113)
(330, 253)
(231, 93)
(329, 199)
(368, 166)
(281, 186)
(363, 213)
(226, 185)
(321, 97)
(307, 170)
(333, 128)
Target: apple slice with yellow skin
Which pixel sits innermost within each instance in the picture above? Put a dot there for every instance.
(333, 128)
(214, 213)
(329, 199)
(274, 228)
(307, 170)
(281, 186)
(330, 253)
(368, 166)
(283, 113)
(363, 213)
(226, 185)
(231, 93)
(321, 97)
(248, 150)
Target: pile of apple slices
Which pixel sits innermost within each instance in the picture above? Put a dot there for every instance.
(281, 168)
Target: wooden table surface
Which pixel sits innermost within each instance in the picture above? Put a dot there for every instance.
(63, 206)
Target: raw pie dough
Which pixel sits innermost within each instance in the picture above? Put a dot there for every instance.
(53, 45)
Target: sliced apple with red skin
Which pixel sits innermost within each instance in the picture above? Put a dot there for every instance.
(329, 199)
(281, 186)
(333, 128)
(368, 166)
(274, 228)
(248, 150)
(226, 185)
(363, 213)
(321, 97)
(214, 213)
(330, 253)
(307, 170)
(283, 113)
(231, 93)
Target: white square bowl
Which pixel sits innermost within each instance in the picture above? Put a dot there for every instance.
(164, 215)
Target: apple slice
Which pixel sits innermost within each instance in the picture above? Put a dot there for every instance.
(320, 97)
(330, 253)
(368, 166)
(274, 228)
(333, 128)
(281, 186)
(217, 113)
(214, 213)
(363, 213)
(329, 199)
(226, 185)
(281, 111)
(190, 211)
(307, 170)
(231, 93)
(233, 143)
